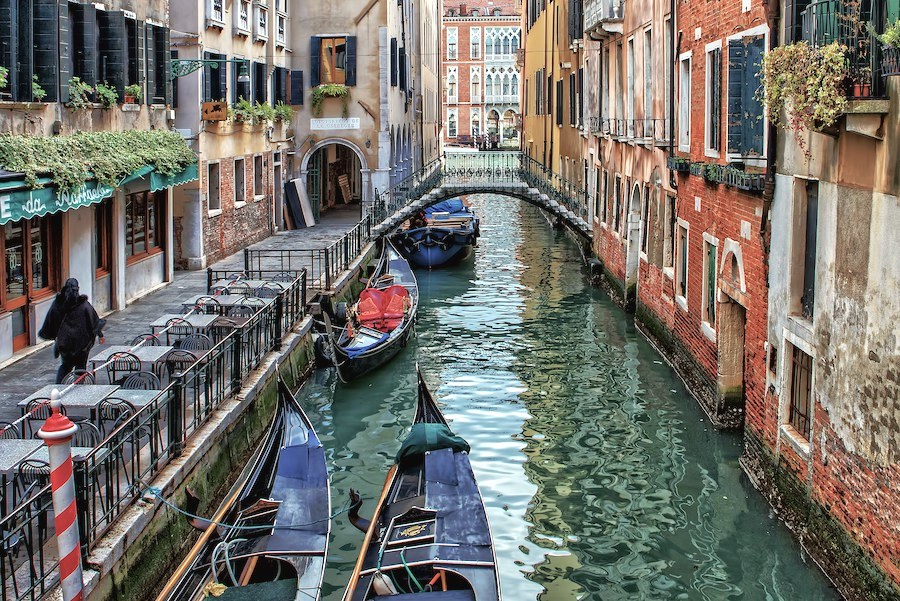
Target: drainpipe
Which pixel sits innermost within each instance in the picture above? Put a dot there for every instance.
(676, 42)
(773, 14)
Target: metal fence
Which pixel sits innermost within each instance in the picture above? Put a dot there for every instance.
(110, 478)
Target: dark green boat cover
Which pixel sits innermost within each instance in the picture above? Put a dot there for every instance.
(430, 437)
(277, 590)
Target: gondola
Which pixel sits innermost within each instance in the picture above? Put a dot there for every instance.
(429, 537)
(443, 234)
(380, 323)
(268, 539)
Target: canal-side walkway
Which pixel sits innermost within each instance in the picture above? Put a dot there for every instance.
(23, 377)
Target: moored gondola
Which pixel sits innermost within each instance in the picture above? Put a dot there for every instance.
(441, 235)
(429, 537)
(269, 538)
(380, 323)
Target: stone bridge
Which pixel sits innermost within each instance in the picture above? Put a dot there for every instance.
(507, 173)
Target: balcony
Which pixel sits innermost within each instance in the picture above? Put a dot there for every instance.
(501, 98)
(642, 131)
(825, 21)
(603, 17)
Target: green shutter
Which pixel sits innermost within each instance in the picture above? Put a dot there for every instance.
(9, 33)
(22, 89)
(113, 52)
(715, 99)
(84, 28)
(350, 68)
(754, 125)
(65, 50)
(315, 60)
(149, 35)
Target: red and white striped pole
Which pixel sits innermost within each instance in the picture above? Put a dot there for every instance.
(57, 433)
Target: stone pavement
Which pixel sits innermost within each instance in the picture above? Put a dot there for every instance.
(30, 373)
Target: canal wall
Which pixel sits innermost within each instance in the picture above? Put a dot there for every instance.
(850, 567)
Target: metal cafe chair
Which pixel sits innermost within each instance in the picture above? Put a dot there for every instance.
(31, 475)
(111, 410)
(146, 340)
(79, 376)
(9, 431)
(209, 305)
(241, 311)
(142, 380)
(38, 410)
(178, 328)
(196, 342)
(88, 435)
(267, 291)
(177, 361)
(284, 276)
(121, 364)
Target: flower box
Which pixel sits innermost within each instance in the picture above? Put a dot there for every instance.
(697, 169)
(679, 164)
(751, 182)
(713, 173)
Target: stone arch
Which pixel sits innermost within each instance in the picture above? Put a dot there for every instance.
(733, 264)
(634, 204)
(365, 172)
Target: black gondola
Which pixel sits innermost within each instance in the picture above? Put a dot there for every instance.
(278, 522)
(441, 235)
(380, 323)
(429, 537)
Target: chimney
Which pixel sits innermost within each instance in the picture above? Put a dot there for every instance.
(463, 10)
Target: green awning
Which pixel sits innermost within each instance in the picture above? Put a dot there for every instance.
(17, 201)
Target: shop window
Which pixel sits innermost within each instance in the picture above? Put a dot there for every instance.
(103, 228)
(143, 223)
(800, 411)
(258, 176)
(213, 198)
(240, 186)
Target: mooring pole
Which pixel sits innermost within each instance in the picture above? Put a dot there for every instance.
(57, 433)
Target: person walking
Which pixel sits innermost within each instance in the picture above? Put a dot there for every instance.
(74, 324)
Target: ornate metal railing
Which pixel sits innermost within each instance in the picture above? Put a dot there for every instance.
(647, 129)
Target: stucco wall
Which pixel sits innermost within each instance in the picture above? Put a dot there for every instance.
(144, 275)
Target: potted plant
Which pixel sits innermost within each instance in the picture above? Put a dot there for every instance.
(697, 169)
(4, 81)
(679, 164)
(283, 113)
(242, 112)
(890, 52)
(106, 95)
(37, 92)
(330, 90)
(79, 94)
(263, 113)
(133, 93)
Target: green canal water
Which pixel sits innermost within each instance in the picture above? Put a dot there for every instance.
(601, 476)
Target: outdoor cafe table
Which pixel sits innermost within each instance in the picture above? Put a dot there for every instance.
(201, 322)
(244, 284)
(229, 300)
(81, 396)
(16, 450)
(151, 357)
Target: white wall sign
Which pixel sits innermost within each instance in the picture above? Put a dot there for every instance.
(323, 124)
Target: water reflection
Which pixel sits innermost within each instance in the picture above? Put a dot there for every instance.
(600, 476)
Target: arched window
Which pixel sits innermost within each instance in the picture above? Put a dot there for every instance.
(515, 84)
(515, 43)
(476, 88)
(451, 123)
(506, 85)
(476, 123)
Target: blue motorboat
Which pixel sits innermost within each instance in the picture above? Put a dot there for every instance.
(443, 234)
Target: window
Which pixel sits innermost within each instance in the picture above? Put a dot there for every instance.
(214, 86)
(604, 84)
(240, 185)
(800, 411)
(645, 219)
(619, 93)
(804, 257)
(573, 107)
(159, 89)
(258, 171)
(213, 200)
(684, 105)
(452, 39)
(280, 77)
(669, 236)
(648, 74)
(709, 282)
(559, 102)
(260, 85)
(630, 90)
(475, 91)
(332, 59)
(476, 121)
(713, 98)
(280, 29)
(216, 12)
(143, 222)
(604, 198)
(243, 16)
(746, 126)
(240, 89)
(103, 230)
(262, 23)
(452, 93)
(539, 92)
(281, 6)
(475, 42)
(451, 123)
(598, 190)
(681, 270)
(668, 69)
(617, 204)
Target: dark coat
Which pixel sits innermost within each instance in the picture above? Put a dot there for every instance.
(74, 328)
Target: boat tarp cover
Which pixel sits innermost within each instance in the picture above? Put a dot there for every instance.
(436, 596)
(277, 589)
(430, 437)
(453, 205)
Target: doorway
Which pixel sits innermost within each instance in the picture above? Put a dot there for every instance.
(633, 250)
(730, 378)
(334, 180)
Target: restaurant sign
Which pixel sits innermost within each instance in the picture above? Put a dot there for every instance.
(24, 204)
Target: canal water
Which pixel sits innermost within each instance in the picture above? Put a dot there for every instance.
(601, 476)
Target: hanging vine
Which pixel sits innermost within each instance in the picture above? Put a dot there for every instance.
(330, 90)
(108, 156)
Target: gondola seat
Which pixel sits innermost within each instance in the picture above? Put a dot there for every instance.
(382, 310)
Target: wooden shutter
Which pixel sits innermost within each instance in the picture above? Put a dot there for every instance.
(9, 35)
(136, 49)
(222, 77)
(283, 84)
(315, 60)
(296, 88)
(715, 99)
(207, 78)
(350, 71)
(402, 58)
(149, 34)
(754, 124)
(65, 50)
(162, 40)
(113, 54)
(84, 27)
(736, 63)
(25, 63)
(393, 61)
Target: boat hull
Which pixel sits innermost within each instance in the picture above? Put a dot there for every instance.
(432, 247)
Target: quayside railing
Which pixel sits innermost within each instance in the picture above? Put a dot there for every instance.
(112, 476)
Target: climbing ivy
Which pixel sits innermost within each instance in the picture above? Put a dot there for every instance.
(109, 156)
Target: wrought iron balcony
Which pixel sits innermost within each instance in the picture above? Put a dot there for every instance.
(603, 16)
(827, 21)
(644, 131)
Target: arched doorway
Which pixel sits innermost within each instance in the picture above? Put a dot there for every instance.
(509, 126)
(493, 128)
(632, 256)
(336, 178)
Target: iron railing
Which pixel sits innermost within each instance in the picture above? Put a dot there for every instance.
(649, 129)
(25, 571)
(847, 23)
